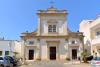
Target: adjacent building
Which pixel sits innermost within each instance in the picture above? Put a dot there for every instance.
(52, 40)
(10, 48)
(91, 31)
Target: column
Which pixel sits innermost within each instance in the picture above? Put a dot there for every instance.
(44, 51)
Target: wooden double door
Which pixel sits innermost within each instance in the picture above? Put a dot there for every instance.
(31, 55)
(52, 53)
(74, 54)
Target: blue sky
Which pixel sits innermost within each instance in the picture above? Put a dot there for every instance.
(17, 16)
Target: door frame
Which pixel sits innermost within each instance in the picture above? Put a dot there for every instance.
(54, 54)
(53, 44)
(75, 57)
(29, 54)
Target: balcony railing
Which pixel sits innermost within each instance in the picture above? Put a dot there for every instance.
(95, 41)
(31, 45)
(73, 44)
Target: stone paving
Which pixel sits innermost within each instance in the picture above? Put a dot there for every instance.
(56, 64)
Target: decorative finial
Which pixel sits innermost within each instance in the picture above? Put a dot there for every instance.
(52, 3)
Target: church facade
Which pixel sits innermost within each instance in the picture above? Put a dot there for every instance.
(52, 40)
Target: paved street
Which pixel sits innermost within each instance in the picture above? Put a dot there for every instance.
(55, 64)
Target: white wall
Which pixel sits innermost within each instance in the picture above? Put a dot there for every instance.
(85, 28)
(6, 45)
(18, 48)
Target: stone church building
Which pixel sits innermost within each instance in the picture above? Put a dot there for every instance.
(52, 40)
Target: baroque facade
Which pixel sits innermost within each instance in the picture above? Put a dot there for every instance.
(91, 31)
(52, 40)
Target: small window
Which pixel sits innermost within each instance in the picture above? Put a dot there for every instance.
(0, 53)
(52, 28)
(73, 42)
(31, 42)
(1, 58)
(98, 33)
(6, 52)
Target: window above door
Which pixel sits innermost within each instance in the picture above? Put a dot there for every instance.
(52, 28)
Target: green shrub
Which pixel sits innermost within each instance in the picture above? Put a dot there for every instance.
(84, 55)
(67, 58)
(38, 59)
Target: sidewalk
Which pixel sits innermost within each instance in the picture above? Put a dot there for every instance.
(56, 64)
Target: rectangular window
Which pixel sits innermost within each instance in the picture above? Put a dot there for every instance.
(31, 42)
(1, 58)
(98, 33)
(73, 42)
(0, 53)
(52, 28)
(6, 52)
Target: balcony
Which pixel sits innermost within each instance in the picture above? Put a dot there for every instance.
(33, 45)
(95, 41)
(74, 45)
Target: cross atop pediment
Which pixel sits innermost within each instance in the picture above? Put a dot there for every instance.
(52, 3)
